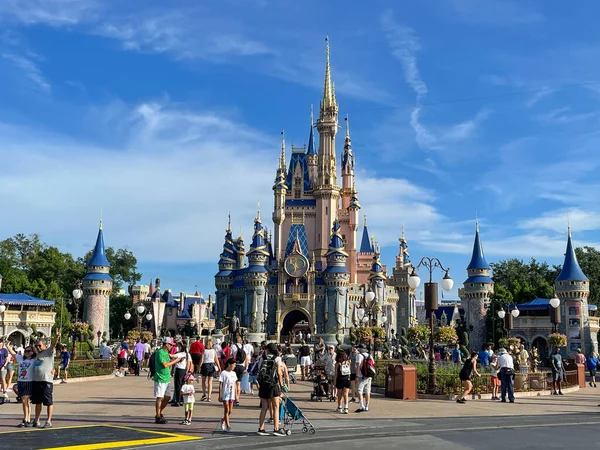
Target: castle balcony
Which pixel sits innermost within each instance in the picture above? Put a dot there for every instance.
(27, 318)
(594, 324)
(297, 300)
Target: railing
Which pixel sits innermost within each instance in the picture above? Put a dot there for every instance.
(81, 368)
(448, 381)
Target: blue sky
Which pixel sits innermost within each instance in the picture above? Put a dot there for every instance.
(167, 117)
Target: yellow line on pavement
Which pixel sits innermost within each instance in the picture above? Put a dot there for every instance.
(24, 430)
(119, 444)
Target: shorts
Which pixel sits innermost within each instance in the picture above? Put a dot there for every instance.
(352, 377)
(188, 406)
(207, 370)
(41, 392)
(557, 375)
(305, 361)
(10, 367)
(253, 379)
(162, 389)
(25, 388)
(121, 362)
(239, 371)
(364, 386)
(268, 393)
(3, 373)
(196, 358)
(63, 367)
(592, 372)
(342, 383)
(495, 381)
(146, 356)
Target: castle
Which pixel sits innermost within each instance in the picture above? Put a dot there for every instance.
(311, 270)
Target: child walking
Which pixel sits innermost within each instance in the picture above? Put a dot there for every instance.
(24, 381)
(253, 374)
(495, 368)
(188, 391)
(227, 381)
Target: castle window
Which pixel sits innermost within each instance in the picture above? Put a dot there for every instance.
(572, 282)
(297, 193)
(327, 210)
(472, 284)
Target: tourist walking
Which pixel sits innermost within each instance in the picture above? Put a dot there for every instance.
(494, 369)
(228, 385)
(182, 368)
(304, 358)
(139, 352)
(209, 365)
(196, 350)
(42, 388)
(269, 382)
(147, 353)
(592, 365)
(353, 354)
(24, 380)
(241, 363)
(456, 355)
(3, 363)
(341, 380)
(187, 392)
(64, 364)
(556, 365)
(363, 381)
(466, 375)
(484, 356)
(253, 374)
(162, 378)
(507, 375)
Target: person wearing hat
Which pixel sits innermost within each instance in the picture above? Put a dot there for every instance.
(162, 378)
(507, 375)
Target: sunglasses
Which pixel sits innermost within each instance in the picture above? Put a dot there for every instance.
(28, 350)
(37, 346)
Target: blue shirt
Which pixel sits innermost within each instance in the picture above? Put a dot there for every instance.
(592, 363)
(124, 345)
(484, 358)
(3, 356)
(65, 358)
(455, 355)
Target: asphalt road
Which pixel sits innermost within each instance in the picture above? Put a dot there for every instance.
(518, 432)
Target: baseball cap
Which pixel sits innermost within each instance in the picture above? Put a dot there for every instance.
(167, 340)
(189, 377)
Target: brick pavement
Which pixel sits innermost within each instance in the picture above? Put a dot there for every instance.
(128, 402)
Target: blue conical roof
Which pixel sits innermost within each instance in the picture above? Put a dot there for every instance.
(259, 244)
(365, 243)
(570, 269)
(477, 259)
(99, 256)
(336, 245)
(376, 268)
(312, 149)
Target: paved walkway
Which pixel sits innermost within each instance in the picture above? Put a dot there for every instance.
(128, 402)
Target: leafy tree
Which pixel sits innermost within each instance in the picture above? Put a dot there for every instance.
(119, 304)
(525, 281)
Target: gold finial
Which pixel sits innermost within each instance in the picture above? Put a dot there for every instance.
(282, 157)
(476, 222)
(568, 224)
(365, 221)
(402, 231)
(258, 212)
(100, 218)
(347, 127)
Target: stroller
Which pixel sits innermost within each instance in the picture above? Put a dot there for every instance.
(321, 384)
(290, 415)
(291, 362)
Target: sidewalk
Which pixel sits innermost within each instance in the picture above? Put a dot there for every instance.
(128, 402)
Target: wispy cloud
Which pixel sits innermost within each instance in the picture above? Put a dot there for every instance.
(54, 13)
(539, 96)
(28, 66)
(579, 219)
(561, 116)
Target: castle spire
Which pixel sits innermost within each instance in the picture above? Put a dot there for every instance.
(365, 243)
(99, 255)
(282, 157)
(229, 221)
(571, 271)
(312, 149)
(328, 96)
(477, 259)
(347, 128)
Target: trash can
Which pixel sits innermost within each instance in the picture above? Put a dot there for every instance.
(575, 373)
(401, 382)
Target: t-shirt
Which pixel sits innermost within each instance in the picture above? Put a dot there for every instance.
(359, 361)
(106, 352)
(66, 356)
(228, 378)
(25, 372)
(183, 363)
(162, 374)
(557, 362)
(217, 348)
(209, 356)
(43, 365)
(249, 349)
(196, 348)
(139, 350)
(304, 351)
(484, 358)
(456, 355)
(3, 356)
(187, 390)
(592, 363)
(580, 358)
(147, 348)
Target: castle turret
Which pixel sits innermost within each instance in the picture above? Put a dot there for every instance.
(377, 284)
(224, 277)
(573, 289)
(256, 277)
(353, 210)
(347, 169)
(240, 250)
(279, 193)
(326, 190)
(311, 152)
(97, 286)
(364, 256)
(406, 308)
(336, 277)
(475, 295)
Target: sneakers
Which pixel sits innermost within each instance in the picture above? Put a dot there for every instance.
(47, 425)
(203, 399)
(338, 409)
(63, 382)
(262, 432)
(461, 400)
(223, 427)
(228, 430)
(160, 420)
(361, 409)
(352, 400)
(345, 411)
(36, 425)
(279, 432)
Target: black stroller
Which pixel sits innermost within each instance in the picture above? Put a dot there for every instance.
(321, 384)
(291, 362)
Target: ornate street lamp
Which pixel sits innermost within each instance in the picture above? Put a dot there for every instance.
(77, 294)
(431, 305)
(140, 310)
(555, 313)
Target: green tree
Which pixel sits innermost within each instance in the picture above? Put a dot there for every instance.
(525, 281)
(589, 260)
(119, 304)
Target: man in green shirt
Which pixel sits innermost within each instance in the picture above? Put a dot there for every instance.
(162, 378)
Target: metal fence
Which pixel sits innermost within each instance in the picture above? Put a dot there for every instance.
(448, 381)
(90, 367)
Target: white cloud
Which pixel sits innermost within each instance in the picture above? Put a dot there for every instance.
(584, 220)
(54, 13)
(561, 116)
(539, 96)
(29, 68)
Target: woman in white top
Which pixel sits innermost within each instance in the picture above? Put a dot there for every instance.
(181, 369)
(24, 380)
(209, 365)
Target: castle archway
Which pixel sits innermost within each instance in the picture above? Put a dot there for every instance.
(293, 320)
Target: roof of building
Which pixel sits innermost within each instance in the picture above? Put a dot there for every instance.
(312, 148)
(477, 259)
(365, 243)
(98, 276)
(570, 270)
(99, 256)
(24, 299)
(376, 268)
(479, 279)
(259, 244)
(229, 254)
(303, 202)
(336, 245)
(536, 303)
(297, 230)
(167, 297)
(298, 158)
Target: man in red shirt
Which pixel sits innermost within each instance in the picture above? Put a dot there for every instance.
(196, 350)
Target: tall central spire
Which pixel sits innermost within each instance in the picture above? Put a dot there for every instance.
(328, 103)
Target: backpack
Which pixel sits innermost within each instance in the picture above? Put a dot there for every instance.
(368, 366)
(345, 369)
(152, 365)
(240, 354)
(267, 374)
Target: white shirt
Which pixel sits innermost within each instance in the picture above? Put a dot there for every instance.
(249, 349)
(217, 348)
(184, 359)
(505, 360)
(228, 378)
(209, 356)
(25, 370)
(187, 390)
(147, 348)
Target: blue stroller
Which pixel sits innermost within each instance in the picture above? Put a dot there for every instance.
(290, 414)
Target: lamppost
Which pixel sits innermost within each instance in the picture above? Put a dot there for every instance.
(555, 313)
(508, 319)
(77, 294)
(431, 305)
(367, 308)
(140, 310)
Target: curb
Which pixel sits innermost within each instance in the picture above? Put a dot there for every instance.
(84, 379)
(489, 396)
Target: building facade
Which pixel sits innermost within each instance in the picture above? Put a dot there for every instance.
(311, 268)
(23, 315)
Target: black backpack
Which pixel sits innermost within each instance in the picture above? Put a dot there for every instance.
(152, 365)
(267, 374)
(240, 354)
